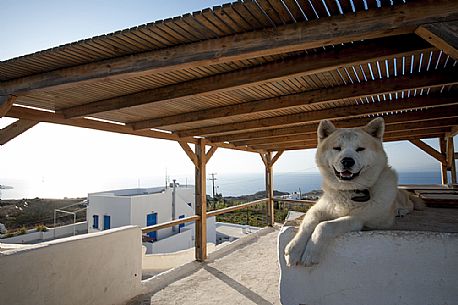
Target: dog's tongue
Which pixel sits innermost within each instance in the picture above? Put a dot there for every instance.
(346, 174)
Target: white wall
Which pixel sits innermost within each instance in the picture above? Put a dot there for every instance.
(176, 242)
(164, 261)
(160, 203)
(375, 267)
(118, 208)
(34, 236)
(99, 268)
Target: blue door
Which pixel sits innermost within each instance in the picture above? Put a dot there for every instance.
(151, 220)
(181, 225)
(106, 222)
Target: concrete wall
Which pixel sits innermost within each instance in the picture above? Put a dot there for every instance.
(375, 267)
(99, 268)
(33, 236)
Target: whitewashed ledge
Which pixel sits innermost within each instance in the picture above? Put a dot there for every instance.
(379, 267)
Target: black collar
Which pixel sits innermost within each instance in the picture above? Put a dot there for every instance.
(361, 195)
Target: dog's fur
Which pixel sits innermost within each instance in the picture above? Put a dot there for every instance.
(342, 208)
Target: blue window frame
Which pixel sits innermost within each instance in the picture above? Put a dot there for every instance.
(106, 222)
(95, 221)
(181, 225)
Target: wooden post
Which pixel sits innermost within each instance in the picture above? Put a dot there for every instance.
(443, 149)
(269, 162)
(201, 201)
(451, 159)
(269, 190)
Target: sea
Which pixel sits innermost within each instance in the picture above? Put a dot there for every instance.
(225, 184)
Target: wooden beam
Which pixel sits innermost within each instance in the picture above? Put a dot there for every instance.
(429, 150)
(301, 145)
(6, 102)
(315, 116)
(308, 132)
(210, 152)
(15, 129)
(451, 159)
(201, 202)
(51, 117)
(276, 157)
(312, 138)
(443, 150)
(189, 152)
(312, 97)
(390, 21)
(442, 35)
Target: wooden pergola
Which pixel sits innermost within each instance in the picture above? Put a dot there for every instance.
(254, 76)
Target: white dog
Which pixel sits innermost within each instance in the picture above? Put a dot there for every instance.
(359, 190)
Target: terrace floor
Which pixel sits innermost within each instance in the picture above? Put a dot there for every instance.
(247, 271)
(248, 275)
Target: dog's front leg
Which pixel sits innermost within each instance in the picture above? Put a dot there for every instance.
(296, 247)
(324, 232)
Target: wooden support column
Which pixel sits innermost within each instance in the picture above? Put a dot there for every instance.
(200, 157)
(269, 161)
(201, 202)
(443, 148)
(451, 159)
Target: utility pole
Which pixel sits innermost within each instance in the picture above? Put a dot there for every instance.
(212, 179)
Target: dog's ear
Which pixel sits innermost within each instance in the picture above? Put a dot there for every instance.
(325, 129)
(375, 128)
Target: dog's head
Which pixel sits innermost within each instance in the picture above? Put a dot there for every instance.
(351, 158)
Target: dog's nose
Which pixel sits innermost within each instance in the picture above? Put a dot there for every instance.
(347, 162)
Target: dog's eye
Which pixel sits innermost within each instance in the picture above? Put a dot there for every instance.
(336, 148)
(360, 149)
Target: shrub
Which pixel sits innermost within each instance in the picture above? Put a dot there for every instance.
(22, 231)
(41, 228)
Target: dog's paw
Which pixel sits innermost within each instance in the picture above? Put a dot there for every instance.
(311, 255)
(293, 252)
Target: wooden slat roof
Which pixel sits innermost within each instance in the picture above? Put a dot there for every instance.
(251, 75)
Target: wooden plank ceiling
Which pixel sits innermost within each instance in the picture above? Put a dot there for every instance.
(254, 75)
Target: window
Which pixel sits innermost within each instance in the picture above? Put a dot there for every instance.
(95, 221)
(106, 222)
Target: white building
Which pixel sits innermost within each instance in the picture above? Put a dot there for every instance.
(145, 207)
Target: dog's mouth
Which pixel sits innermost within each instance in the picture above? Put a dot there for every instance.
(345, 175)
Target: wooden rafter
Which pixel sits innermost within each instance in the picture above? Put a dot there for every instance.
(442, 35)
(312, 97)
(15, 129)
(326, 31)
(311, 116)
(370, 51)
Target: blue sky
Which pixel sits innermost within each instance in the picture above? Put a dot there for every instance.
(71, 154)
